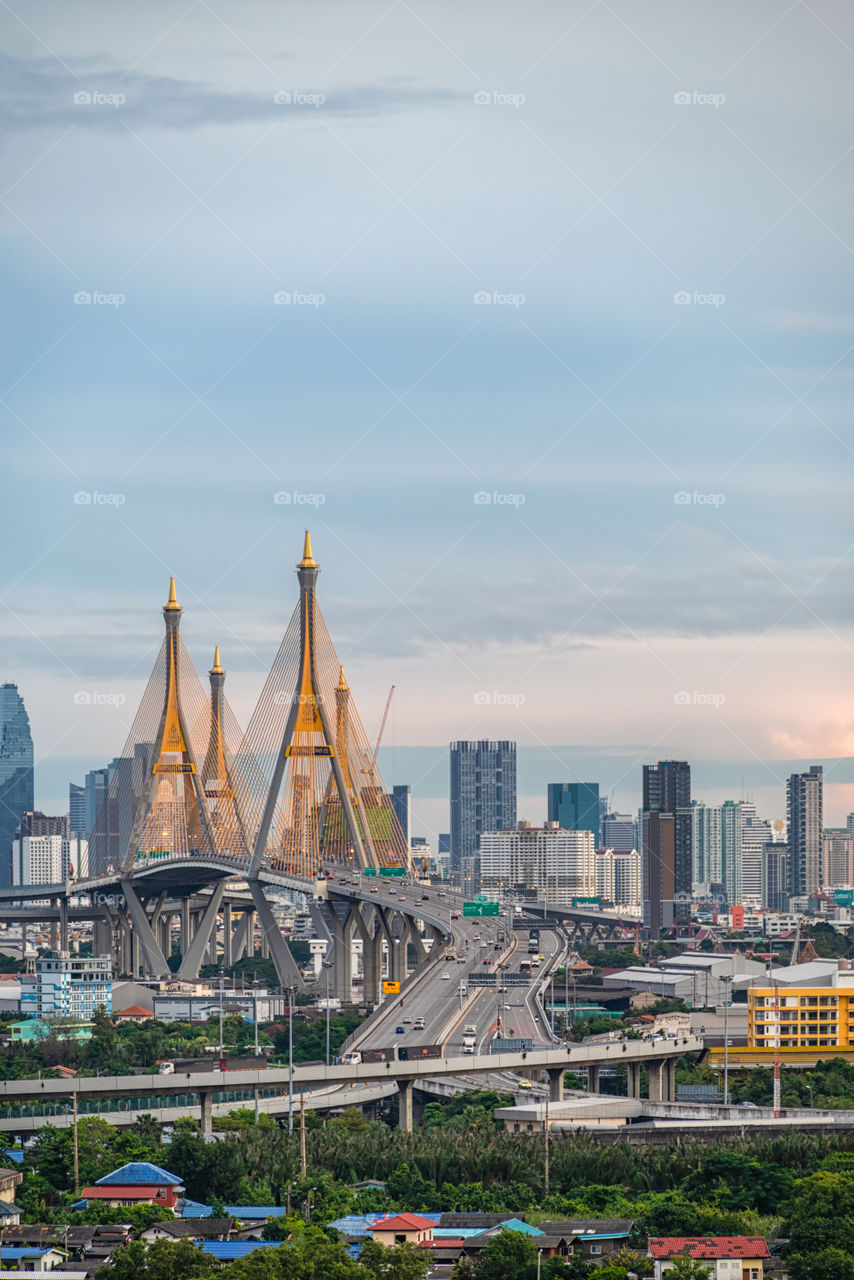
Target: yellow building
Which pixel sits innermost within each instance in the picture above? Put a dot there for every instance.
(810, 1018)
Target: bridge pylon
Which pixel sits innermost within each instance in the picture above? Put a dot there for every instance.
(325, 801)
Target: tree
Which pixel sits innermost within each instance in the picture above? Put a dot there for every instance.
(685, 1268)
(511, 1255)
(638, 1263)
(162, 1260)
(827, 1264)
(402, 1262)
(820, 1214)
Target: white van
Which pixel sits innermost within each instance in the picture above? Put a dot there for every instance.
(166, 1069)
(351, 1059)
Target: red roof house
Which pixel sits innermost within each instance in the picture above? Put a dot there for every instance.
(404, 1228)
(733, 1257)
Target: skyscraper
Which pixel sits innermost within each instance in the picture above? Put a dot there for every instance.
(574, 806)
(77, 810)
(667, 847)
(16, 773)
(401, 798)
(804, 813)
(483, 794)
(620, 832)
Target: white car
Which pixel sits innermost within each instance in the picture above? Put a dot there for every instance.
(446, 977)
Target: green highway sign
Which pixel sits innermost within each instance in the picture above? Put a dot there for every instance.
(369, 871)
(586, 902)
(393, 872)
(480, 907)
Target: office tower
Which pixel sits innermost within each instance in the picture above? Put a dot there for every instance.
(849, 823)
(36, 823)
(574, 806)
(557, 865)
(483, 794)
(667, 790)
(732, 824)
(16, 773)
(444, 842)
(95, 787)
(401, 801)
(658, 871)
(838, 859)
(67, 987)
(707, 856)
(40, 859)
(804, 813)
(77, 810)
(775, 876)
(619, 832)
(618, 877)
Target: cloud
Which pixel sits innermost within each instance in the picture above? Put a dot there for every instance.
(806, 322)
(93, 94)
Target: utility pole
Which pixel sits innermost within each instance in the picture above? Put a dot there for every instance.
(326, 966)
(725, 981)
(546, 1151)
(76, 1148)
(302, 1159)
(290, 1059)
(221, 1047)
(255, 1021)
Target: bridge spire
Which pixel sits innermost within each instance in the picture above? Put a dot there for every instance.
(322, 802)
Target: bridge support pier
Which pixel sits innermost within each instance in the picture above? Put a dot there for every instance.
(556, 1075)
(286, 966)
(206, 1110)
(657, 1080)
(593, 1079)
(194, 953)
(227, 961)
(633, 1078)
(153, 958)
(63, 924)
(241, 941)
(669, 1080)
(406, 1088)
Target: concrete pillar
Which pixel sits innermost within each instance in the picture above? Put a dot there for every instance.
(670, 1080)
(135, 959)
(633, 1079)
(184, 935)
(164, 928)
(226, 936)
(206, 1105)
(265, 947)
(54, 928)
(405, 1090)
(593, 1079)
(63, 924)
(555, 1075)
(657, 1080)
(24, 941)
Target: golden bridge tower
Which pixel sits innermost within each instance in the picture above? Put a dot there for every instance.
(227, 827)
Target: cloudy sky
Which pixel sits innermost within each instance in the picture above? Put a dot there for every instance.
(540, 317)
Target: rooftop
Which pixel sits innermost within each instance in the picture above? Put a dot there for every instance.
(139, 1172)
(404, 1222)
(228, 1250)
(708, 1247)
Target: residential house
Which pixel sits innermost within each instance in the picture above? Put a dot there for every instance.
(138, 1182)
(731, 1257)
(189, 1229)
(593, 1238)
(403, 1228)
(31, 1257)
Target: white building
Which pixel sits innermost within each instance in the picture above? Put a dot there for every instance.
(185, 1006)
(559, 864)
(48, 859)
(63, 986)
(618, 877)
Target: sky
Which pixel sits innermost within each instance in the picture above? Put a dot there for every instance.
(539, 318)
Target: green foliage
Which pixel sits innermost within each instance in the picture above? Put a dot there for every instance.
(310, 1037)
(686, 1268)
(827, 1264)
(474, 1109)
(820, 1214)
(829, 944)
(162, 1260)
(732, 1180)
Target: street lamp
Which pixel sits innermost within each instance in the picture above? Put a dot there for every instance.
(290, 1059)
(327, 966)
(726, 979)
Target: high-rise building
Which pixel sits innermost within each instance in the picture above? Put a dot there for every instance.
(36, 823)
(668, 855)
(849, 823)
(775, 876)
(732, 825)
(64, 986)
(804, 811)
(658, 863)
(547, 862)
(444, 842)
(838, 861)
(619, 832)
(575, 806)
(16, 773)
(618, 877)
(707, 857)
(483, 794)
(401, 802)
(77, 810)
(95, 787)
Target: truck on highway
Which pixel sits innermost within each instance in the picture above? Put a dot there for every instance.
(351, 1058)
(470, 1038)
(470, 1029)
(534, 941)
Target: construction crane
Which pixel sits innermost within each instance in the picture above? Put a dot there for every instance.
(380, 732)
